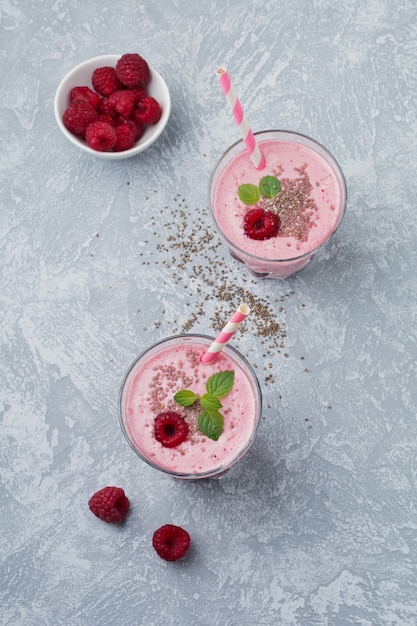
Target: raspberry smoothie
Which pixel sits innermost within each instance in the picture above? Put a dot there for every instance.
(147, 399)
(276, 234)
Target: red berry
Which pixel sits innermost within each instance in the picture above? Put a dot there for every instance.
(132, 70)
(105, 81)
(123, 102)
(78, 116)
(148, 111)
(100, 136)
(137, 129)
(106, 107)
(109, 504)
(86, 94)
(139, 93)
(171, 542)
(105, 117)
(260, 224)
(125, 138)
(170, 429)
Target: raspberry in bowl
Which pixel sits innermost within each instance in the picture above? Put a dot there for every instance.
(112, 106)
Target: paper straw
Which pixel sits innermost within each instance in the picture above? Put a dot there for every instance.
(226, 334)
(240, 118)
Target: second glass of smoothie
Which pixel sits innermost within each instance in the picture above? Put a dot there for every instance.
(148, 391)
(308, 207)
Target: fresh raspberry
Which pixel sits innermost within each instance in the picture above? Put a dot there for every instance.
(170, 429)
(100, 136)
(132, 70)
(86, 94)
(105, 81)
(106, 107)
(109, 504)
(139, 93)
(123, 102)
(260, 224)
(171, 542)
(125, 138)
(105, 117)
(78, 116)
(148, 111)
(137, 129)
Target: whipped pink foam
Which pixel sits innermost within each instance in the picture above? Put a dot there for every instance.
(284, 159)
(149, 390)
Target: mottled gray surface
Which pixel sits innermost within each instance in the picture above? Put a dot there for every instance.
(317, 525)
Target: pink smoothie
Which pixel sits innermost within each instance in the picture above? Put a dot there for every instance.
(310, 204)
(150, 387)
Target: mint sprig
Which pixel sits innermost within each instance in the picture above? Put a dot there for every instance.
(210, 421)
(269, 186)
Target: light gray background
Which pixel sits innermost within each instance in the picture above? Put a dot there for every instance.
(317, 525)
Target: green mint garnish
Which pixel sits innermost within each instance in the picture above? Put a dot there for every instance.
(210, 402)
(248, 193)
(211, 424)
(210, 421)
(269, 186)
(220, 384)
(185, 397)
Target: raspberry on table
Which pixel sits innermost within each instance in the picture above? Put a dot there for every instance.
(105, 81)
(148, 111)
(109, 504)
(100, 136)
(86, 94)
(132, 70)
(170, 429)
(171, 542)
(261, 224)
(125, 139)
(123, 101)
(78, 116)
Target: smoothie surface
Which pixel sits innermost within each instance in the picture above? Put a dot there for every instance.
(149, 390)
(307, 181)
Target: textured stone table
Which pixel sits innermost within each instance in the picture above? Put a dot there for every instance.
(317, 525)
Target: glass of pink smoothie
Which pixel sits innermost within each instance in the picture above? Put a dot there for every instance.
(309, 205)
(148, 391)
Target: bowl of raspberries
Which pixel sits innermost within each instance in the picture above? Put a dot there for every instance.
(112, 106)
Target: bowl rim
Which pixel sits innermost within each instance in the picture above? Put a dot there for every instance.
(141, 145)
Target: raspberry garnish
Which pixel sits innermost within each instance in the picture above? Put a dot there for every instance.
(78, 116)
(132, 70)
(148, 111)
(122, 101)
(100, 136)
(109, 504)
(170, 429)
(171, 542)
(105, 80)
(86, 94)
(260, 224)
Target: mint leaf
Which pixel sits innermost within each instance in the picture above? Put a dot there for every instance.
(211, 424)
(210, 402)
(221, 383)
(248, 193)
(269, 186)
(185, 397)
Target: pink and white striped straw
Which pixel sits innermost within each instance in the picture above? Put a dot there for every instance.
(226, 334)
(240, 118)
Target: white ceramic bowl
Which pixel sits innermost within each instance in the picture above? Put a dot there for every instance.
(81, 75)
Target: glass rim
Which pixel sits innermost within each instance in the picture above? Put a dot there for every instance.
(333, 162)
(221, 468)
